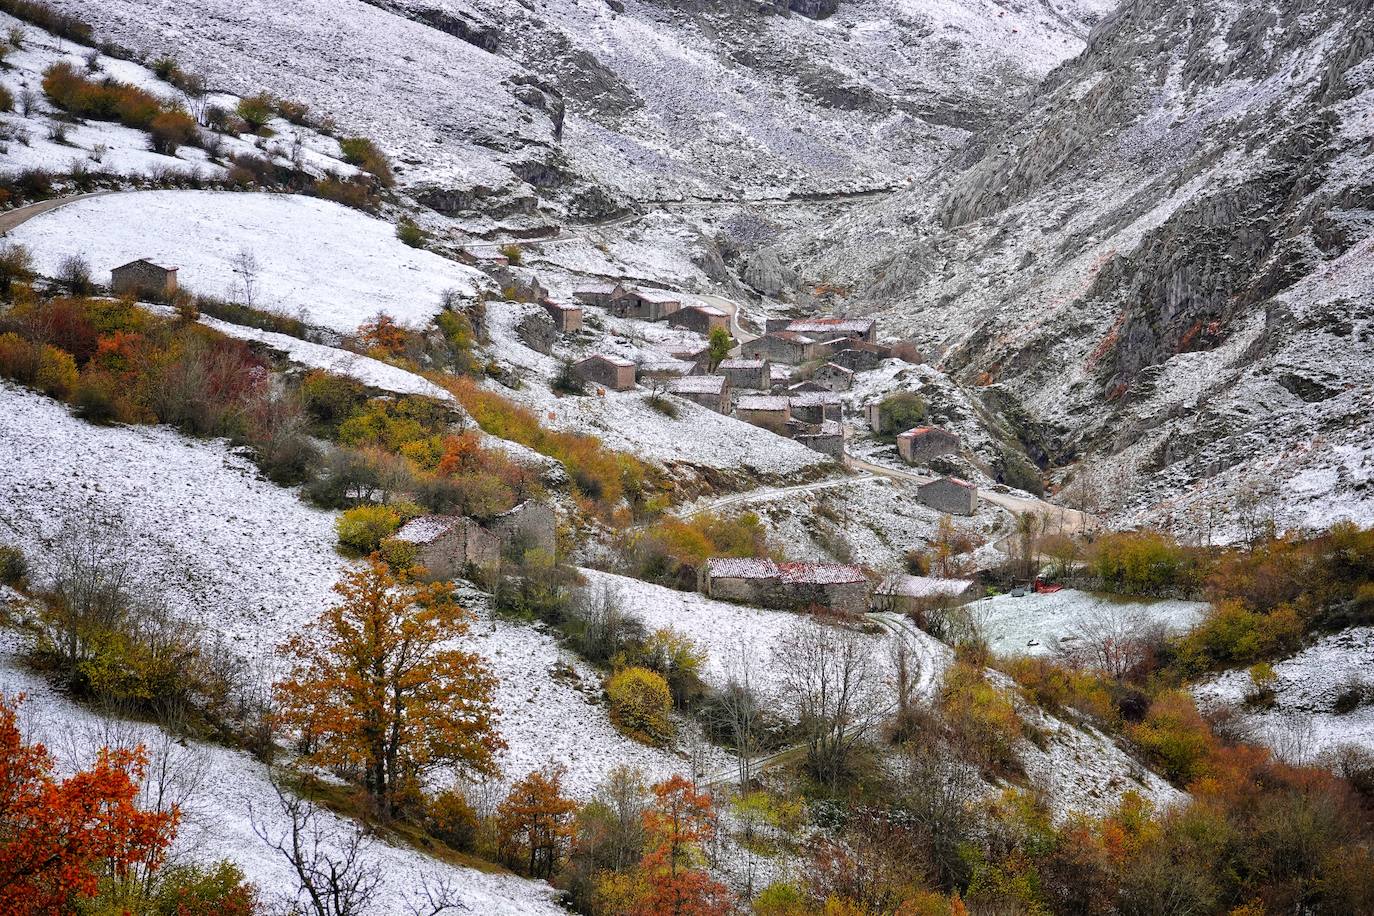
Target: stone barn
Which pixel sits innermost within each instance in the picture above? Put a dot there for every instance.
(665, 368)
(826, 438)
(781, 347)
(860, 355)
(449, 546)
(144, 279)
(950, 495)
(745, 581)
(645, 304)
(920, 445)
(700, 318)
(601, 294)
(915, 594)
(816, 407)
(754, 374)
(829, 585)
(865, 329)
(833, 377)
(768, 411)
(532, 525)
(566, 316)
(607, 371)
(711, 391)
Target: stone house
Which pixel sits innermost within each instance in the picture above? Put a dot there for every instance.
(865, 329)
(919, 445)
(771, 412)
(787, 586)
(950, 495)
(916, 594)
(754, 374)
(710, 391)
(833, 377)
(600, 294)
(781, 347)
(532, 525)
(697, 353)
(778, 376)
(607, 371)
(665, 368)
(449, 546)
(566, 316)
(645, 304)
(816, 407)
(826, 438)
(144, 279)
(700, 318)
(856, 359)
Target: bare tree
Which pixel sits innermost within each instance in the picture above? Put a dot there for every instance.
(1113, 639)
(333, 874)
(939, 794)
(906, 675)
(247, 268)
(741, 714)
(91, 583)
(829, 677)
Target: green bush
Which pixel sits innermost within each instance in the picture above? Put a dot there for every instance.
(14, 567)
(57, 373)
(362, 529)
(1174, 737)
(363, 153)
(640, 705)
(256, 110)
(409, 232)
(899, 412)
(331, 399)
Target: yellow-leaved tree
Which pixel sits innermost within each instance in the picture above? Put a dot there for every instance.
(378, 688)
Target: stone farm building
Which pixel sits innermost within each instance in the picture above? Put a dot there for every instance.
(771, 412)
(598, 294)
(449, 546)
(833, 377)
(645, 304)
(815, 406)
(860, 355)
(914, 594)
(950, 495)
(755, 374)
(826, 437)
(700, 318)
(665, 368)
(919, 445)
(786, 586)
(566, 316)
(607, 371)
(865, 329)
(711, 391)
(144, 279)
(781, 347)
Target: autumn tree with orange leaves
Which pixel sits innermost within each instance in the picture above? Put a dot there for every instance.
(57, 838)
(668, 880)
(534, 823)
(377, 688)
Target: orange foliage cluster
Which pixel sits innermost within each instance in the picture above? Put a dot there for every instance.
(57, 836)
(602, 478)
(534, 823)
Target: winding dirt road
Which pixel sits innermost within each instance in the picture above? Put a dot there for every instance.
(13, 219)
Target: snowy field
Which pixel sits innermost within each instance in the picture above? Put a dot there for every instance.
(250, 562)
(326, 264)
(1303, 722)
(1039, 624)
(226, 792)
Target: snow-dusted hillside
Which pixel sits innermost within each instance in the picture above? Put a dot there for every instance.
(328, 265)
(250, 563)
(1166, 259)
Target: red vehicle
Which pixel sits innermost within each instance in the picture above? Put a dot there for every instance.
(1046, 588)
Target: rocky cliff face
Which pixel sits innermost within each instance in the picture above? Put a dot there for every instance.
(1167, 257)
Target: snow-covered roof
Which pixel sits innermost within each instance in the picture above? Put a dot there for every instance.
(698, 384)
(168, 269)
(761, 402)
(948, 480)
(655, 295)
(743, 363)
(792, 336)
(836, 367)
(427, 528)
(563, 306)
(612, 360)
(741, 568)
(667, 366)
(814, 399)
(917, 431)
(820, 573)
(779, 373)
(923, 586)
(707, 310)
(831, 325)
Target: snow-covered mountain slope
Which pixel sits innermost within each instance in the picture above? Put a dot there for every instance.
(1167, 258)
(250, 563)
(485, 103)
(330, 266)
